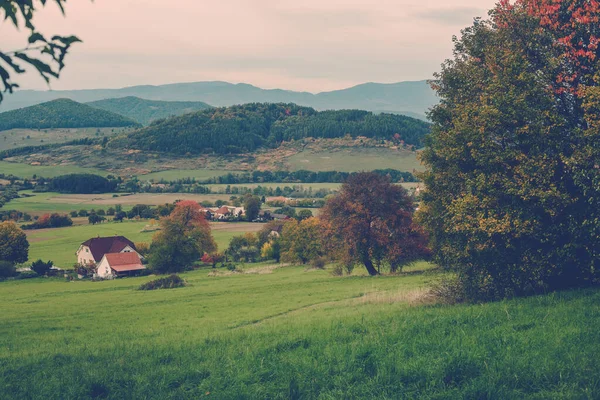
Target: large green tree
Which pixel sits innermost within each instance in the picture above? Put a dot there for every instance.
(512, 198)
(45, 55)
(14, 247)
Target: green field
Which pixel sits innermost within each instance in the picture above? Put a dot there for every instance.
(175, 174)
(291, 334)
(27, 171)
(45, 202)
(354, 159)
(60, 244)
(16, 138)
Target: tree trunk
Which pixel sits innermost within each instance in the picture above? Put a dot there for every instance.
(369, 265)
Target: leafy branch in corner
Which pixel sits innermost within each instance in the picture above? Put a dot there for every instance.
(46, 55)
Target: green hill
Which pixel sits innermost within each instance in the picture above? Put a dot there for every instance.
(61, 113)
(247, 127)
(146, 111)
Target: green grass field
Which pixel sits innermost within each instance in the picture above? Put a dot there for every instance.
(60, 244)
(45, 202)
(291, 334)
(355, 159)
(175, 174)
(27, 171)
(16, 138)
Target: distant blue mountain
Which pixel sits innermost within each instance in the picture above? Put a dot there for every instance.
(409, 98)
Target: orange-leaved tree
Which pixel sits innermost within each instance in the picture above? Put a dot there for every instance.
(184, 237)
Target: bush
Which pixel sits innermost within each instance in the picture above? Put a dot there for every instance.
(40, 267)
(318, 262)
(7, 269)
(170, 282)
(26, 275)
(338, 270)
(449, 291)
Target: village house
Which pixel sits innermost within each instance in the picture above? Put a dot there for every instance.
(103, 253)
(119, 264)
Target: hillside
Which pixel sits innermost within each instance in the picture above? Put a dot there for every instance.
(145, 111)
(245, 128)
(412, 98)
(61, 113)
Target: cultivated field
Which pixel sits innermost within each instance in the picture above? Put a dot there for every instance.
(60, 244)
(175, 174)
(292, 334)
(354, 159)
(57, 202)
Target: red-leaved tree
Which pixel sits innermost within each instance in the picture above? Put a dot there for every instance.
(370, 222)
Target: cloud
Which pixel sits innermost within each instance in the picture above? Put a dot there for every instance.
(457, 16)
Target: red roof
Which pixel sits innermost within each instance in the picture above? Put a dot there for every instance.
(101, 245)
(223, 210)
(122, 262)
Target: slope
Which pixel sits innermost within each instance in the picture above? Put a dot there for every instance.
(61, 113)
(245, 128)
(146, 111)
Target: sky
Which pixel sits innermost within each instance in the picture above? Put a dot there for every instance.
(304, 45)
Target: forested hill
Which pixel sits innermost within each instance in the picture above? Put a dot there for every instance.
(247, 127)
(145, 111)
(62, 113)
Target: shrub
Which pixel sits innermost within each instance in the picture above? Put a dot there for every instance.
(26, 275)
(338, 270)
(7, 269)
(449, 291)
(40, 267)
(318, 262)
(170, 282)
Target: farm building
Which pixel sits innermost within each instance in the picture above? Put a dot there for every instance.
(91, 251)
(119, 264)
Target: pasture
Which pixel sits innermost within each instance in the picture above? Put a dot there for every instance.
(40, 203)
(27, 171)
(16, 138)
(292, 333)
(60, 244)
(354, 159)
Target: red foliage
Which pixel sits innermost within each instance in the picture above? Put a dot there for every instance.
(575, 26)
(189, 214)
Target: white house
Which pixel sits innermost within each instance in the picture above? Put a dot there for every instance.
(119, 264)
(91, 251)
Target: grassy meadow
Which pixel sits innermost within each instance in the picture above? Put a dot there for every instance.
(40, 203)
(16, 138)
(27, 171)
(292, 333)
(60, 244)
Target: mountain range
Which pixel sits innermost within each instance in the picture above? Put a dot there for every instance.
(408, 98)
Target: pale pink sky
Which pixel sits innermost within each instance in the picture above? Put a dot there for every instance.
(311, 45)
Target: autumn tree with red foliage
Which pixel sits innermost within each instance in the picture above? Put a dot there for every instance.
(370, 222)
(512, 199)
(184, 237)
